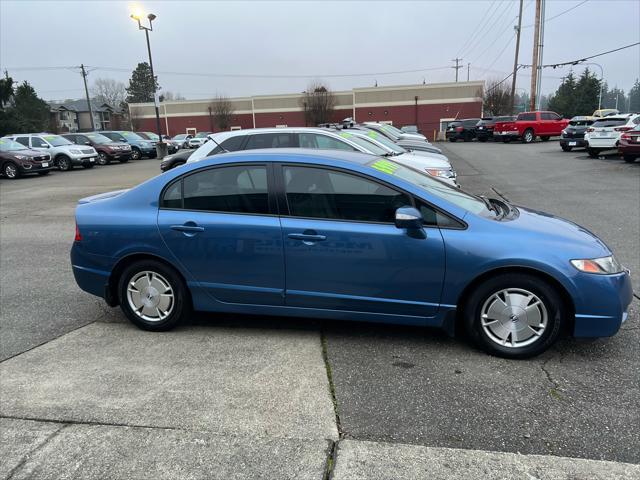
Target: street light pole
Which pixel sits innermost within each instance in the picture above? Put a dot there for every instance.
(161, 146)
(601, 82)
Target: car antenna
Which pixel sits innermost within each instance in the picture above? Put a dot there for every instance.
(223, 149)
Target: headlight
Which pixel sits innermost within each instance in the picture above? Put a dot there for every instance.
(564, 132)
(601, 266)
(75, 152)
(436, 172)
(22, 157)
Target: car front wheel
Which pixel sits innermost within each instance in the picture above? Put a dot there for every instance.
(514, 315)
(135, 154)
(64, 163)
(153, 296)
(528, 136)
(11, 170)
(103, 159)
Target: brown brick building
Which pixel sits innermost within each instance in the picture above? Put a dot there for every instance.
(429, 106)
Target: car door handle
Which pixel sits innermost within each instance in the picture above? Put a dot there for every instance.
(306, 237)
(192, 228)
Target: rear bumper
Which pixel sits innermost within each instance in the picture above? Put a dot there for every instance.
(573, 142)
(604, 143)
(626, 148)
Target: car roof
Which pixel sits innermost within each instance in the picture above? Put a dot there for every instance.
(276, 154)
(219, 136)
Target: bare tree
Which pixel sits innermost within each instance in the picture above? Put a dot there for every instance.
(135, 121)
(221, 109)
(497, 98)
(170, 97)
(109, 91)
(318, 104)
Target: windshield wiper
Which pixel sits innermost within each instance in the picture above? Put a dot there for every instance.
(489, 205)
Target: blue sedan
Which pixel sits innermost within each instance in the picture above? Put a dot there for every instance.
(348, 236)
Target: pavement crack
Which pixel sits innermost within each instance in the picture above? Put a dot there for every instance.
(554, 391)
(330, 464)
(24, 459)
(332, 388)
(69, 422)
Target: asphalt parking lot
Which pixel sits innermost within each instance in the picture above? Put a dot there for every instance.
(86, 395)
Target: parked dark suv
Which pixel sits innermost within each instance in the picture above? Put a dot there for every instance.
(464, 129)
(107, 149)
(17, 160)
(485, 127)
(573, 134)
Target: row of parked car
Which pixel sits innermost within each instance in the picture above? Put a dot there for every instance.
(410, 149)
(605, 130)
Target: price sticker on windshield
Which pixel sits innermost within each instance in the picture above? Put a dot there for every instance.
(372, 134)
(385, 166)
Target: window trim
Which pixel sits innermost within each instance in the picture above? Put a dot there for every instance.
(283, 205)
(270, 201)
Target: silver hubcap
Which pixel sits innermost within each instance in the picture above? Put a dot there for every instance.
(135, 155)
(102, 158)
(514, 317)
(11, 171)
(150, 296)
(528, 136)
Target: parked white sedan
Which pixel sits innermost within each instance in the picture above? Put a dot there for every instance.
(605, 132)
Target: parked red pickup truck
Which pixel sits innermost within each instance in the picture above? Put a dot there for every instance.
(529, 125)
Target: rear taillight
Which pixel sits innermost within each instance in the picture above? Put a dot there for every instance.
(459, 129)
(590, 129)
(625, 136)
(78, 236)
(622, 129)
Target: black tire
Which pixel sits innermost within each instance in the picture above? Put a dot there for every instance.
(545, 138)
(42, 174)
(11, 171)
(629, 158)
(546, 293)
(64, 163)
(181, 303)
(593, 152)
(103, 159)
(136, 154)
(528, 136)
(87, 165)
(565, 148)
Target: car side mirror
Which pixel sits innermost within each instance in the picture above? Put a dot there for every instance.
(409, 218)
(87, 142)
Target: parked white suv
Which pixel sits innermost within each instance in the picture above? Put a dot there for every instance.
(65, 154)
(314, 138)
(605, 133)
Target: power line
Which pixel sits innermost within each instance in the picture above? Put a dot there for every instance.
(507, 45)
(580, 60)
(560, 14)
(477, 29)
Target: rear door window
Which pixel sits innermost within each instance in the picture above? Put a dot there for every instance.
(269, 140)
(527, 117)
(23, 140)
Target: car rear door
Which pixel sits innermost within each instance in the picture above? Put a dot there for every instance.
(344, 252)
(220, 225)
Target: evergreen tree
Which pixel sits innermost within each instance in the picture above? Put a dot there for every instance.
(7, 114)
(31, 113)
(634, 97)
(142, 86)
(564, 101)
(587, 92)
(614, 98)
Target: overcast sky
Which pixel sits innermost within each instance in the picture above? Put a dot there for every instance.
(298, 38)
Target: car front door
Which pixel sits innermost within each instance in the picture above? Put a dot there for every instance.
(38, 143)
(344, 252)
(220, 226)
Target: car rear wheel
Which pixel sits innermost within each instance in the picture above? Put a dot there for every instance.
(11, 170)
(565, 148)
(103, 159)
(528, 136)
(514, 315)
(153, 296)
(135, 154)
(593, 152)
(64, 163)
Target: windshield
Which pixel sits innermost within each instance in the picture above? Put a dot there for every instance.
(151, 135)
(394, 147)
(202, 134)
(182, 136)
(7, 145)
(369, 146)
(131, 136)
(580, 123)
(57, 140)
(98, 138)
(428, 183)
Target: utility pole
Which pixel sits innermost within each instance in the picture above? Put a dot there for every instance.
(468, 70)
(515, 61)
(86, 91)
(534, 61)
(457, 67)
(540, 54)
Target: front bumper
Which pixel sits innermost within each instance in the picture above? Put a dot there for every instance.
(602, 303)
(85, 159)
(36, 167)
